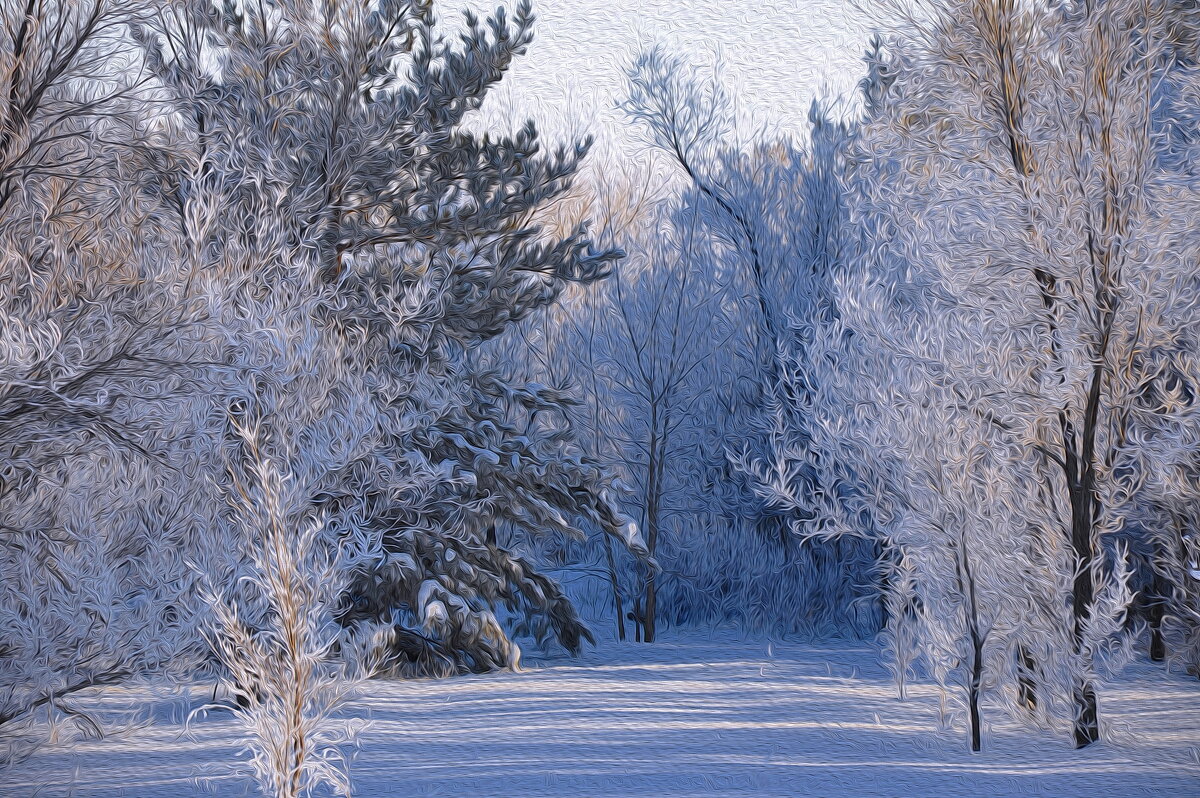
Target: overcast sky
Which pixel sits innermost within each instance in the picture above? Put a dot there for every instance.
(776, 56)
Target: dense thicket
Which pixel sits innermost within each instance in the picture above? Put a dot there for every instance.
(283, 225)
(1011, 347)
(853, 381)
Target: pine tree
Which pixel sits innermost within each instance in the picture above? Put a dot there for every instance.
(329, 185)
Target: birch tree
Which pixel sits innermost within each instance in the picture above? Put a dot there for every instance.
(1026, 132)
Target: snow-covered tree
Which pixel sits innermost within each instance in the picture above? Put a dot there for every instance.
(275, 630)
(98, 342)
(1012, 195)
(324, 175)
(662, 323)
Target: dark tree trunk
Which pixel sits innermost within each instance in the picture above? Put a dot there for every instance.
(966, 585)
(650, 610)
(1026, 686)
(1158, 648)
(976, 744)
(1087, 725)
(1080, 468)
(1160, 592)
(616, 588)
(654, 476)
(976, 675)
(1155, 613)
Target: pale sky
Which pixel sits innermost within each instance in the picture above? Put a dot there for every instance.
(776, 55)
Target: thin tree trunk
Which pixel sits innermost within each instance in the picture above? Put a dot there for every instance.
(976, 681)
(616, 590)
(966, 582)
(1155, 613)
(653, 488)
(1026, 686)
(1081, 484)
(651, 608)
(1087, 724)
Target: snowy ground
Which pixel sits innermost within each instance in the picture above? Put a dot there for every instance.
(686, 717)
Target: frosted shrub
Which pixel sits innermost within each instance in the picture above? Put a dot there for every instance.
(274, 632)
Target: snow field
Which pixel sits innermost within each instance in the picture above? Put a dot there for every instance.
(689, 716)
